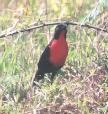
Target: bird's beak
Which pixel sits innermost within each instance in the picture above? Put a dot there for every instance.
(64, 27)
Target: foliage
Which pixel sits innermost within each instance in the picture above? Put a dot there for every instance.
(81, 87)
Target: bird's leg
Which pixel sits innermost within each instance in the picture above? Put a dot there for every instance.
(52, 76)
(38, 77)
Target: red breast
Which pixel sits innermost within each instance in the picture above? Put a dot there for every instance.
(58, 51)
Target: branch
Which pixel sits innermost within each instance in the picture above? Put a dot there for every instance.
(49, 24)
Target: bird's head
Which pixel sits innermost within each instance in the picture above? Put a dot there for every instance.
(60, 29)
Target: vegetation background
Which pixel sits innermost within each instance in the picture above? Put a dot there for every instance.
(81, 87)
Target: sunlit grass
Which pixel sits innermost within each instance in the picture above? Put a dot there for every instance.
(80, 86)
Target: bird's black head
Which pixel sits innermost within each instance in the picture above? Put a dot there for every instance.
(60, 28)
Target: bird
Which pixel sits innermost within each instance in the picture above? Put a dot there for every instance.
(54, 55)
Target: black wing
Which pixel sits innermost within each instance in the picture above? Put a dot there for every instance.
(44, 59)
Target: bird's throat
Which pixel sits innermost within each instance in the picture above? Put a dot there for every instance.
(58, 51)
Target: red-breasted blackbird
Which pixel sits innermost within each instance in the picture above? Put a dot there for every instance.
(54, 55)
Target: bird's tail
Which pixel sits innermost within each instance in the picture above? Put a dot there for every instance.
(38, 76)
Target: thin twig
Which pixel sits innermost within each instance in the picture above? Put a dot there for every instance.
(49, 24)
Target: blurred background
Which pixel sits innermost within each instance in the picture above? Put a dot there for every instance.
(81, 87)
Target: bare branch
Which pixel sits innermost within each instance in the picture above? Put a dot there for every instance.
(49, 24)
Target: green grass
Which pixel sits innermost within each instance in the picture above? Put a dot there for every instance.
(80, 87)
